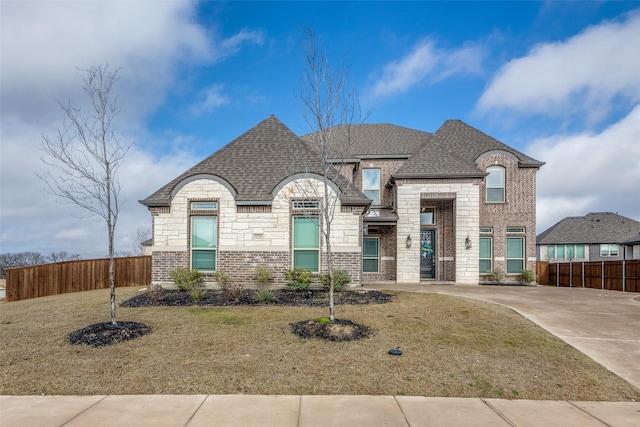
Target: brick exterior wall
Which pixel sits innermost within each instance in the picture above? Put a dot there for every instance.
(386, 253)
(387, 169)
(518, 210)
(163, 262)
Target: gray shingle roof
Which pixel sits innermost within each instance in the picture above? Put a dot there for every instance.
(598, 227)
(364, 140)
(256, 162)
(452, 152)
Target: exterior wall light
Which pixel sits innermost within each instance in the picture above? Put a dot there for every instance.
(408, 241)
(467, 243)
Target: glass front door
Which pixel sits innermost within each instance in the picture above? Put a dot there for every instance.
(427, 254)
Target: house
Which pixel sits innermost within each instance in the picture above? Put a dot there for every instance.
(599, 236)
(411, 206)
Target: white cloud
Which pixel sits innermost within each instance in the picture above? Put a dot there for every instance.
(426, 62)
(42, 44)
(583, 74)
(211, 98)
(589, 172)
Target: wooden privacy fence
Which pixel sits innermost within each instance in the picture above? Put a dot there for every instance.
(611, 275)
(75, 276)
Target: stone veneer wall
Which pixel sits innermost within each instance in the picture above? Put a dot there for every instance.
(518, 210)
(248, 236)
(467, 218)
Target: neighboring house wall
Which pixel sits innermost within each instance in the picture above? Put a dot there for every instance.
(248, 236)
(465, 198)
(518, 209)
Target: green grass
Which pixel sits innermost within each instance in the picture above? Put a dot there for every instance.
(451, 347)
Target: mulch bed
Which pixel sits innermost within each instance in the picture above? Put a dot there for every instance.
(314, 298)
(338, 330)
(106, 333)
(103, 334)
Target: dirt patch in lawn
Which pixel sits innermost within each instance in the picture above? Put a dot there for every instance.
(338, 330)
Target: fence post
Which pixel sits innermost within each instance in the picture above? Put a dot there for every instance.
(570, 274)
(583, 274)
(624, 276)
(557, 274)
(602, 274)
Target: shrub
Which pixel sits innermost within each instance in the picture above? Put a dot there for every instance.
(155, 291)
(298, 278)
(186, 278)
(496, 275)
(341, 278)
(197, 292)
(262, 275)
(265, 295)
(527, 276)
(231, 292)
(322, 320)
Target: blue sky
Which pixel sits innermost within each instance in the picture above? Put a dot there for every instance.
(559, 81)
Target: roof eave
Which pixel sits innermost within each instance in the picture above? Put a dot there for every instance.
(439, 175)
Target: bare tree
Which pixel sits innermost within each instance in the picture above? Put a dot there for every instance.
(19, 259)
(62, 256)
(141, 236)
(329, 106)
(85, 155)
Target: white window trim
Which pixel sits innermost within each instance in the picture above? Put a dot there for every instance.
(490, 256)
(524, 254)
(609, 246)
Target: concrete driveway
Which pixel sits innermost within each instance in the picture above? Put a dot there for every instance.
(604, 325)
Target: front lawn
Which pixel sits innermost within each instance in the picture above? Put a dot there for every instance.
(451, 347)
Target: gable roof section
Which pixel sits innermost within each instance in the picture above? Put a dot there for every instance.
(255, 163)
(598, 227)
(452, 153)
(372, 140)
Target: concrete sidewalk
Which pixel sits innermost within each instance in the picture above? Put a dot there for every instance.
(307, 411)
(604, 325)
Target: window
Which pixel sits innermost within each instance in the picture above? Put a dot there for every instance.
(306, 204)
(486, 229)
(608, 250)
(204, 206)
(486, 252)
(427, 216)
(203, 242)
(495, 184)
(565, 252)
(370, 255)
(515, 255)
(515, 229)
(371, 184)
(306, 242)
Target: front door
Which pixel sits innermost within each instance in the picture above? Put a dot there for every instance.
(427, 254)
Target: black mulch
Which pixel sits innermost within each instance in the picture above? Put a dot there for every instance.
(102, 334)
(338, 330)
(315, 298)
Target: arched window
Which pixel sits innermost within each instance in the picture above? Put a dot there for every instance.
(495, 184)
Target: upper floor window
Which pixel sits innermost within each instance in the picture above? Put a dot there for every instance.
(204, 206)
(608, 250)
(427, 216)
(495, 184)
(371, 184)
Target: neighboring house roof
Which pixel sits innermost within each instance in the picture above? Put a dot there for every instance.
(255, 163)
(598, 227)
(453, 151)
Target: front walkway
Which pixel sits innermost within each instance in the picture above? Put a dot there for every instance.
(308, 411)
(604, 325)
